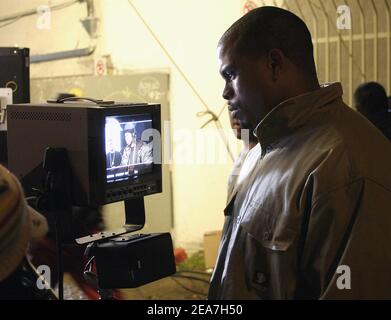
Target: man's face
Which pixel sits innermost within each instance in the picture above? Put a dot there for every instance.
(248, 85)
(128, 138)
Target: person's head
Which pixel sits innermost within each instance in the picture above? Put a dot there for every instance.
(265, 58)
(370, 100)
(19, 224)
(129, 133)
(129, 137)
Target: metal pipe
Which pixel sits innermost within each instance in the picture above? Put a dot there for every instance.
(315, 27)
(388, 45)
(62, 55)
(375, 41)
(363, 49)
(327, 44)
(350, 63)
(338, 50)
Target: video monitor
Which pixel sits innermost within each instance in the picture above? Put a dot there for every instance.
(114, 150)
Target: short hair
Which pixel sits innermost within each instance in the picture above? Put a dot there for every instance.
(370, 98)
(266, 28)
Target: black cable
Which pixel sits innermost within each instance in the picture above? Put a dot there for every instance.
(196, 272)
(190, 278)
(188, 289)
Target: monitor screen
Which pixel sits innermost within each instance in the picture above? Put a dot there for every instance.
(129, 147)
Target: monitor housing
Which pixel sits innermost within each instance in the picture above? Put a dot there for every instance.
(96, 136)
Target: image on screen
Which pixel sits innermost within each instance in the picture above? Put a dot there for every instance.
(129, 147)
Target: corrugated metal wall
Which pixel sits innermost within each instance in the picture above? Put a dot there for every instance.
(353, 55)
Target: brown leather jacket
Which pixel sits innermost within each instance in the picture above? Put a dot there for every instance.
(315, 205)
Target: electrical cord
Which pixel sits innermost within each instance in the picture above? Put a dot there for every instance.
(214, 116)
(188, 289)
(216, 119)
(196, 272)
(222, 109)
(207, 112)
(191, 278)
(10, 22)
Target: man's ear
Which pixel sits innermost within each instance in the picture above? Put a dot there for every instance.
(276, 59)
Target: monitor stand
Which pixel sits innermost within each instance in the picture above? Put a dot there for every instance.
(134, 221)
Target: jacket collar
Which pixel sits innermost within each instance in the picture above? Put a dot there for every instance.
(293, 113)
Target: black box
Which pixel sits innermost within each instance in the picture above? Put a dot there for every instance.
(130, 262)
(15, 72)
(3, 148)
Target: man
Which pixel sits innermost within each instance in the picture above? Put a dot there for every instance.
(316, 205)
(371, 101)
(131, 150)
(136, 152)
(113, 157)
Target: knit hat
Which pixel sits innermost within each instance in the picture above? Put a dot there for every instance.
(19, 224)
